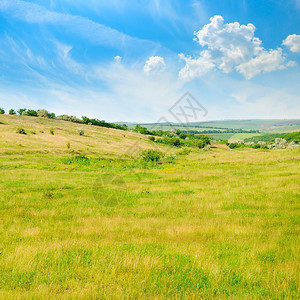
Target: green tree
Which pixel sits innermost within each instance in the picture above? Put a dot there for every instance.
(2, 111)
(12, 112)
(21, 110)
(31, 113)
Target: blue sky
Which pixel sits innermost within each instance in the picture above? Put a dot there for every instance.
(132, 60)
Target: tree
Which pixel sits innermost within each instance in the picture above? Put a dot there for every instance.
(12, 112)
(31, 113)
(2, 111)
(21, 110)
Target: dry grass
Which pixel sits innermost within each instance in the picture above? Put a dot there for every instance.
(217, 224)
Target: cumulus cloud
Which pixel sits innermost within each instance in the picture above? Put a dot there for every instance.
(195, 67)
(267, 61)
(293, 42)
(155, 64)
(231, 47)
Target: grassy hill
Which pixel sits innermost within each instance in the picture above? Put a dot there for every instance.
(96, 140)
(93, 222)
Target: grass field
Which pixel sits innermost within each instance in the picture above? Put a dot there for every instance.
(280, 126)
(242, 136)
(218, 224)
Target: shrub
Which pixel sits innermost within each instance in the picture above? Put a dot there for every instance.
(68, 145)
(182, 136)
(151, 155)
(256, 146)
(170, 159)
(204, 141)
(80, 132)
(174, 142)
(24, 113)
(2, 111)
(12, 112)
(21, 131)
(32, 132)
(184, 151)
(51, 131)
(235, 145)
(43, 113)
(152, 138)
(69, 119)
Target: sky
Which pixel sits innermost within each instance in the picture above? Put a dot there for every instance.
(133, 60)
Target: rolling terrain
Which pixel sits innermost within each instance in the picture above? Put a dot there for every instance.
(263, 126)
(82, 216)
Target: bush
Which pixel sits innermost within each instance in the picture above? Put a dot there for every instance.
(24, 113)
(21, 131)
(174, 142)
(235, 145)
(204, 141)
(69, 119)
(152, 138)
(80, 132)
(2, 111)
(170, 159)
(51, 131)
(256, 146)
(32, 132)
(151, 155)
(68, 145)
(182, 136)
(43, 113)
(12, 112)
(184, 151)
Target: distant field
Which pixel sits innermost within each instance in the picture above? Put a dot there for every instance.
(262, 125)
(220, 136)
(242, 136)
(218, 224)
(273, 126)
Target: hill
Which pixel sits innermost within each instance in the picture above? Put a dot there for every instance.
(94, 221)
(95, 140)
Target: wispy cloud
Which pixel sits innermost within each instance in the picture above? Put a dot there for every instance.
(94, 32)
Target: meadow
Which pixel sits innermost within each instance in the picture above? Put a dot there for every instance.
(220, 224)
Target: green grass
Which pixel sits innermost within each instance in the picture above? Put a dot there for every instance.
(274, 126)
(243, 136)
(221, 136)
(218, 224)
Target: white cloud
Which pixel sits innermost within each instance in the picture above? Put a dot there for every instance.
(117, 58)
(293, 42)
(155, 64)
(232, 47)
(267, 61)
(195, 67)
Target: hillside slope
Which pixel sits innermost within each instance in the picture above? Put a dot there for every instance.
(96, 140)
